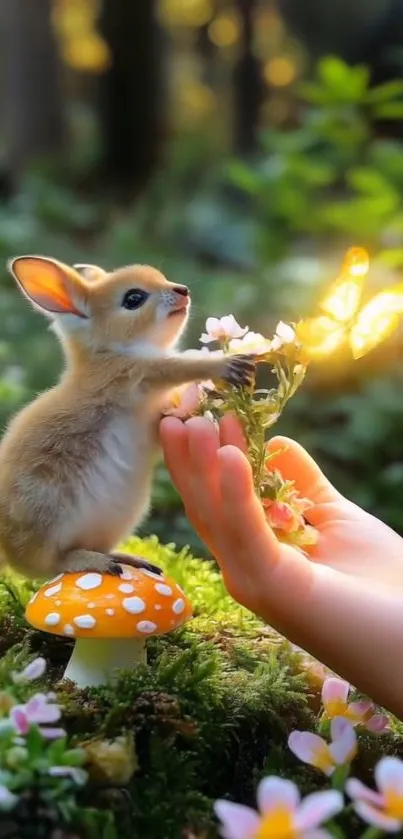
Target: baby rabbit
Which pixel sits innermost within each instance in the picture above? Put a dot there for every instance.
(76, 464)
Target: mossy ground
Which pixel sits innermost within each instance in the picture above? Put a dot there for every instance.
(208, 716)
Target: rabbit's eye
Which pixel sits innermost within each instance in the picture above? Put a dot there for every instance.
(134, 298)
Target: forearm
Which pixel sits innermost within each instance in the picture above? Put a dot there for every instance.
(180, 369)
(356, 629)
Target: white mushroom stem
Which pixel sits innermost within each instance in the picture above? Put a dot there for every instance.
(94, 660)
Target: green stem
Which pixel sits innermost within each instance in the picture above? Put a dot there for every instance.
(372, 833)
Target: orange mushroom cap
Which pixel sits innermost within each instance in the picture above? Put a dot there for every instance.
(92, 605)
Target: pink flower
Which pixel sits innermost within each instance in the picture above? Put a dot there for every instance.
(281, 516)
(34, 670)
(282, 814)
(383, 809)
(312, 749)
(335, 701)
(222, 330)
(183, 401)
(37, 711)
(252, 343)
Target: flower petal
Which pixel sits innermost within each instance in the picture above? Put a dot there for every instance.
(20, 719)
(338, 726)
(318, 834)
(238, 822)
(359, 709)
(274, 792)
(334, 689)
(285, 332)
(52, 733)
(359, 791)
(376, 817)
(344, 748)
(310, 748)
(318, 808)
(34, 670)
(389, 775)
(378, 723)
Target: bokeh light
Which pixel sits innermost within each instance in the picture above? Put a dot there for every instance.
(280, 71)
(185, 13)
(224, 30)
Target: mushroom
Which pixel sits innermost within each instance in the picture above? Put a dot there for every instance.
(110, 618)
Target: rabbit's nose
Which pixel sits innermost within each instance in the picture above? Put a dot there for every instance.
(182, 289)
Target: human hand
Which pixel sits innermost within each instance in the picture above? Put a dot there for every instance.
(356, 566)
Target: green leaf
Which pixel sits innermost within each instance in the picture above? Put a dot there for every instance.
(369, 181)
(35, 743)
(389, 110)
(385, 92)
(243, 176)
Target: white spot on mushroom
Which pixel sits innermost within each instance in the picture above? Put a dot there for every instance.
(52, 619)
(158, 606)
(134, 605)
(146, 627)
(162, 588)
(53, 590)
(110, 612)
(91, 605)
(68, 629)
(178, 606)
(89, 581)
(58, 602)
(109, 596)
(85, 621)
(126, 574)
(33, 598)
(126, 588)
(151, 574)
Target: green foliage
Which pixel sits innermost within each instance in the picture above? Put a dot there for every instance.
(330, 175)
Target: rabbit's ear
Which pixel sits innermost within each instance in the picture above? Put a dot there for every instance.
(51, 286)
(92, 273)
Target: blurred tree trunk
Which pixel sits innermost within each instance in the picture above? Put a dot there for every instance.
(345, 28)
(33, 118)
(248, 84)
(130, 92)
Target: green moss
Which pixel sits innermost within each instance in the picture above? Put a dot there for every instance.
(210, 713)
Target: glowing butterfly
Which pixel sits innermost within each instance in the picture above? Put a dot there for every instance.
(342, 319)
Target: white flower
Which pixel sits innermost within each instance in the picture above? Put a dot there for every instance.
(313, 750)
(222, 329)
(383, 809)
(284, 334)
(34, 670)
(282, 814)
(252, 343)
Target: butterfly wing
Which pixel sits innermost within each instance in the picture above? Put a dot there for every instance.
(344, 295)
(376, 321)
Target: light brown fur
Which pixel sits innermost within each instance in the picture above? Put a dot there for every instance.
(76, 464)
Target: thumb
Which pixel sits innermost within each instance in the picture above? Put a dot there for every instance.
(295, 464)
